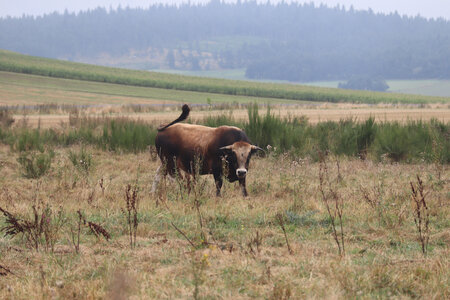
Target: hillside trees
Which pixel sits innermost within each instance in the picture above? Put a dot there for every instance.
(288, 41)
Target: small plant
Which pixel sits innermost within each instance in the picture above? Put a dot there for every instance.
(199, 265)
(131, 200)
(81, 160)
(35, 165)
(41, 230)
(333, 203)
(281, 292)
(421, 214)
(280, 220)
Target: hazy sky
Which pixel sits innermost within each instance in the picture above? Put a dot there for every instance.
(425, 8)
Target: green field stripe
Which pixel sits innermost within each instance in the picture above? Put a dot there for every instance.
(14, 62)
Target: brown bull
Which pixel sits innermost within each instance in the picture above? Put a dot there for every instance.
(198, 149)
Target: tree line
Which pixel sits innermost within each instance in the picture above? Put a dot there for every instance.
(286, 41)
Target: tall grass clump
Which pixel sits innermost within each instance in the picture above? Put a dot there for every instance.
(222, 119)
(348, 137)
(411, 142)
(127, 136)
(283, 133)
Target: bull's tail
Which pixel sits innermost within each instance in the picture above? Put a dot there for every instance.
(182, 117)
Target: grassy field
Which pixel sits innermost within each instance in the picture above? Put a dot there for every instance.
(25, 89)
(234, 247)
(69, 196)
(14, 62)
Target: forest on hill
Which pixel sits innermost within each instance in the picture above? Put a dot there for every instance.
(285, 41)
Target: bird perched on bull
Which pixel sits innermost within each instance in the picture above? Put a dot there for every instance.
(198, 149)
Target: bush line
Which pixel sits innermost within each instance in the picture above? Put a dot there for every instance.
(414, 141)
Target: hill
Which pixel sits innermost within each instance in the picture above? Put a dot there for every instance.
(15, 62)
(286, 41)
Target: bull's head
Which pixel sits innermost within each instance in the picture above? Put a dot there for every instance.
(238, 156)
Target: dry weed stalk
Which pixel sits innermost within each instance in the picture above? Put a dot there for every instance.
(373, 198)
(279, 218)
(4, 271)
(199, 266)
(333, 203)
(102, 186)
(41, 225)
(96, 229)
(421, 214)
(76, 235)
(131, 200)
(257, 242)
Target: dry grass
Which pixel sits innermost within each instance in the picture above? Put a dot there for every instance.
(246, 255)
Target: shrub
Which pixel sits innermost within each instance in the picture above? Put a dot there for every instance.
(392, 141)
(81, 160)
(27, 140)
(35, 165)
(365, 135)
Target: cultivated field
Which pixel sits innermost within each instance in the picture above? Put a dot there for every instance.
(14, 62)
(56, 98)
(197, 245)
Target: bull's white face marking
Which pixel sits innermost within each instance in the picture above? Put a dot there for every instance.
(241, 152)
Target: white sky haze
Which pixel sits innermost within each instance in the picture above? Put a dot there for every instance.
(424, 8)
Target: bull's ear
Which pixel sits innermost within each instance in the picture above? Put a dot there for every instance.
(256, 148)
(226, 150)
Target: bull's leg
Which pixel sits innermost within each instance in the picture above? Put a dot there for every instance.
(243, 187)
(157, 179)
(219, 181)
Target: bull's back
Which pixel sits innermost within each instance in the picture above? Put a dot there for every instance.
(181, 137)
(186, 141)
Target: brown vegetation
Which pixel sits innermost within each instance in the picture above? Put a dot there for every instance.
(239, 249)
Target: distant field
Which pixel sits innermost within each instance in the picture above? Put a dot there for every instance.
(430, 87)
(14, 62)
(24, 89)
(114, 99)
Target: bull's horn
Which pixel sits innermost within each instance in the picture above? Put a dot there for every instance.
(255, 148)
(229, 147)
